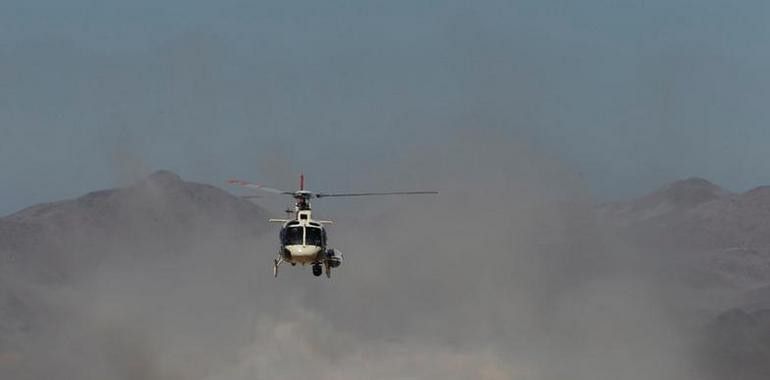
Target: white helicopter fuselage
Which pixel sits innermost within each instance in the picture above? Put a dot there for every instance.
(303, 240)
(302, 254)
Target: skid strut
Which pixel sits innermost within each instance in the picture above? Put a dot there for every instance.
(276, 263)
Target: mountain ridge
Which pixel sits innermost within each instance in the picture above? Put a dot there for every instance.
(159, 210)
(696, 228)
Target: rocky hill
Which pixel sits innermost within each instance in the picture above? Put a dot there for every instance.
(708, 227)
(158, 215)
(723, 240)
(696, 214)
(190, 286)
(162, 230)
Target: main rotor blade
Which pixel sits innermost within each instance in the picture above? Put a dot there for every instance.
(328, 195)
(258, 187)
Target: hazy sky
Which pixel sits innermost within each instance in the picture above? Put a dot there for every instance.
(629, 94)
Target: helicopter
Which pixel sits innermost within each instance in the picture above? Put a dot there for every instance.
(303, 239)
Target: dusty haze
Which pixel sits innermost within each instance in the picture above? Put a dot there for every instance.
(506, 275)
(527, 116)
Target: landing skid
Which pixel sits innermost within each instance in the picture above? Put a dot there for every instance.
(276, 263)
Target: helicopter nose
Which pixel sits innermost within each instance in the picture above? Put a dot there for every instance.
(303, 251)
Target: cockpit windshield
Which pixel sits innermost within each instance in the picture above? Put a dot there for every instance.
(314, 236)
(292, 236)
(298, 235)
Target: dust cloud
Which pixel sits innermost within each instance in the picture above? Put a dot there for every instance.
(506, 274)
